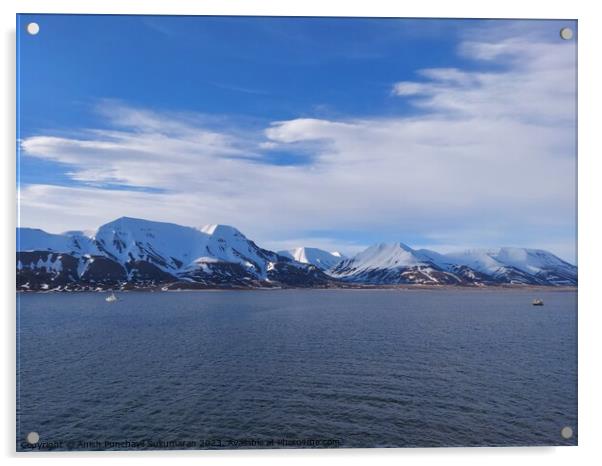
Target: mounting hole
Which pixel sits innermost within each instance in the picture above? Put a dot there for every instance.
(566, 432)
(566, 33)
(32, 438)
(33, 28)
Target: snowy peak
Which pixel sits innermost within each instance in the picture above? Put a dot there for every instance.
(529, 260)
(518, 265)
(230, 245)
(398, 263)
(490, 260)
(157, 250)
(391, 263)
(33, 239)
(136, 253)
(166, 245)
(387, 255)
(223, 231)
(182, 250)
(318, 257)
(141, 251)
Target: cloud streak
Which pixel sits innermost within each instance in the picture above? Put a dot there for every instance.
(488, 159)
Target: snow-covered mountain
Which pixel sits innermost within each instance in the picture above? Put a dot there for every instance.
(32, 239)
(324, 260)
(389, 264)
(398, 263)
(146, 253)
(518, 265)
(185, 250)
(136, 253)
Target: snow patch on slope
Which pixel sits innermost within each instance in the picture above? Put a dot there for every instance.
(318, 257)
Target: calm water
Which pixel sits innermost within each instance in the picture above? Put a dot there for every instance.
(340, 368)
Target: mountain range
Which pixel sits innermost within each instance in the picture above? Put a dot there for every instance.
(130, 253)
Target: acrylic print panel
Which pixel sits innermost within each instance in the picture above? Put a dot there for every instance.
(262, 232)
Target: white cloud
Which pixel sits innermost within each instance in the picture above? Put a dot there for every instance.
(490, 157)
(410, 88)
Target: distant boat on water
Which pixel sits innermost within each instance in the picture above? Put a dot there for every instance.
(111, 298)
(537, 302)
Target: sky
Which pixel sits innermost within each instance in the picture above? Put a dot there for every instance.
(335, 133)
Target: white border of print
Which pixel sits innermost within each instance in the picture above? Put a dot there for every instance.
(590, 233)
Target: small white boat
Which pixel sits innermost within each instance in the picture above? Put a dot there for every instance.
(537, 302)
(111, 298)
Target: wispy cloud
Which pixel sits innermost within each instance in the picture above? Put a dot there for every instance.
(537, 85)
(490, 152)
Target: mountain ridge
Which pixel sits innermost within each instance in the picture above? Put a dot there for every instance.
(130, 253)
(322, 259)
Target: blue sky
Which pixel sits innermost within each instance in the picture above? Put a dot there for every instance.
(334, 133)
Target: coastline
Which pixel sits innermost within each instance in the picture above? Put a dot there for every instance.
(403, 287)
